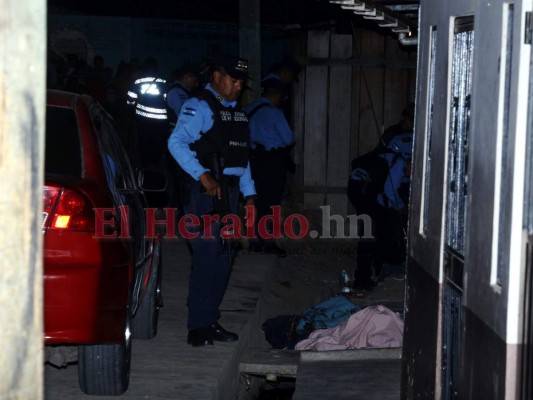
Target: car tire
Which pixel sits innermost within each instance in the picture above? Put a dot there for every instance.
(147, 315)
(104, 369)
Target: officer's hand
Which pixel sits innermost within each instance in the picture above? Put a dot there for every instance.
(211, 185)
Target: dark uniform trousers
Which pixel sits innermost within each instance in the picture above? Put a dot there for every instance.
(151, 138)
(369, 250)
(269, 171)
(211, 260)
(387, 245)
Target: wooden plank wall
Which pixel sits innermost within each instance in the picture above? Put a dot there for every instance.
(315, 120)
(339, 121)
(352, 88)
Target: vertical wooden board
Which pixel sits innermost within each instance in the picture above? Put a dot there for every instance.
(313, 201)
(371, 110)
(315, 133)
(411, 79)
(295, 181)
(372, 45)
(395, 95)
(298, 128)
(318, 44)
(338, 204)
(315, 120)
(250, 46)
(356, 93)
(371, 95)
(397, 90)
(340, 105)
(356, 90)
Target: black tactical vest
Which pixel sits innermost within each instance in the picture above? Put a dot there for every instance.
(228, 137)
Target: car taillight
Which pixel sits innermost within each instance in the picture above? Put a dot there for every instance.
(66, 209)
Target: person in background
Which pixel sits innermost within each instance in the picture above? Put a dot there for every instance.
(183, 81)
(147, 97)
(285, 71)
(367, 179)
(405, 125)
(211, 144)
(73, 74)
(99, 80)
(379, 188)
(396, 147)
(271, 142)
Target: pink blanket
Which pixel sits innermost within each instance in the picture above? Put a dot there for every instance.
(372, 327)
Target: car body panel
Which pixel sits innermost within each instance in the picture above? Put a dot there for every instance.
(88, 281)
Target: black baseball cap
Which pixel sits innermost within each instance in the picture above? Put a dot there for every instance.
(235, 67)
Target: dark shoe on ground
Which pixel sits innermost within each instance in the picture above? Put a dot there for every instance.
(219, 334)
(200, 337)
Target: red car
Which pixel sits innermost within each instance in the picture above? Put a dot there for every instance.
(102, 276)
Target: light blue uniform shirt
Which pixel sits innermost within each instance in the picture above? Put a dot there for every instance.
(268, 126)
(196, 118)
(176, 97)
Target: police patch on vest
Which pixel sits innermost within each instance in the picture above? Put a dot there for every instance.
(225, 115)
(240, 117)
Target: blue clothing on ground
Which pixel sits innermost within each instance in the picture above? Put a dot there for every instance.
(268, 126)
(195, 119)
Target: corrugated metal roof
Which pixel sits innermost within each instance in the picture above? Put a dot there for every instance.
(401, 16)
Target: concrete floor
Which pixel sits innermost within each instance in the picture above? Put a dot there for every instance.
(166, 367)
(261, 286)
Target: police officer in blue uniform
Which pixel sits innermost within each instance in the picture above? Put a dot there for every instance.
(271, 141)
(184, 81)
(148, 97)
(285, 71)
(210, 144)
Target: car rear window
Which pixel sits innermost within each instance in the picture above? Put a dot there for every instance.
(63, 149)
